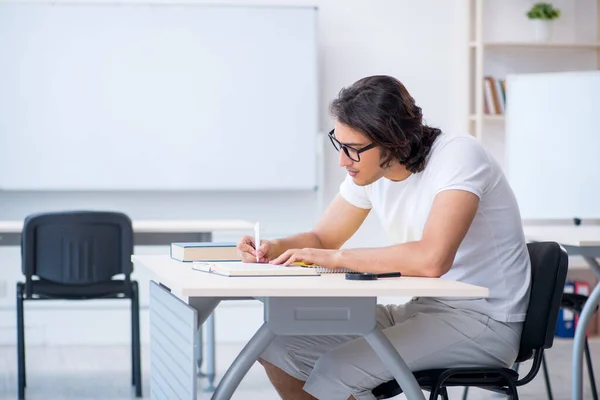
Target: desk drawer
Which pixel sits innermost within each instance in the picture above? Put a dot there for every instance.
(320, 316)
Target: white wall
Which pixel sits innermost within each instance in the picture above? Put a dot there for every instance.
(423, 43)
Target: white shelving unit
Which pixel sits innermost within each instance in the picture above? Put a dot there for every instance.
(501, 42)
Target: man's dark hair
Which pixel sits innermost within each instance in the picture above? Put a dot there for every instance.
(381, 108)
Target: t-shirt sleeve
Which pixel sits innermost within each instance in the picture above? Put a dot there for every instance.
(354, 194)
(462, 164)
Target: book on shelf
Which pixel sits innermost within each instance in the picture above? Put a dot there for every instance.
(239, 268)
(204, 251)
(494, 99)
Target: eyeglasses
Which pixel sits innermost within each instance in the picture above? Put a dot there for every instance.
(352, 153)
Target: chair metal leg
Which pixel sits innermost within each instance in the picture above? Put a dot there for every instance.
(135, 344)
(133, 382)
(444, 393)
(465, 393)
(546, 377)
(436, 391)
(514, 395)
(512, 388)
(20, 343)
(588, 360)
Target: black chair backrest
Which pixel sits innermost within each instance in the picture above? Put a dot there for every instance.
(77, 247)
(549, 264)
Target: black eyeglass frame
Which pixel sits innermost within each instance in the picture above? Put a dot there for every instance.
(339, 146)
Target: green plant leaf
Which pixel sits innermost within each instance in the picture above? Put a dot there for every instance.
(544, 11)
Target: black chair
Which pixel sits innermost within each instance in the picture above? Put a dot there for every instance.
(549, 264)
(573, 302)
(76, 256)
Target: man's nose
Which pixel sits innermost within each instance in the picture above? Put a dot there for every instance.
(345, 161)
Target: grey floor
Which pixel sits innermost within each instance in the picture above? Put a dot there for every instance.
(103, 372)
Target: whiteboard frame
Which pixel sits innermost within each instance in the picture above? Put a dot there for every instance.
(318, 156)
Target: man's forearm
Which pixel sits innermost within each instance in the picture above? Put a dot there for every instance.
(411, 259)
(299, 241)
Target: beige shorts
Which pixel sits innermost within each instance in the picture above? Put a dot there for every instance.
(426, 333)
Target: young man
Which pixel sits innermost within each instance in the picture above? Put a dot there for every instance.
(448, 207)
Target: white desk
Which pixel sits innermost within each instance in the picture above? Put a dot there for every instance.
(150, 232)
(583, 241)
(326, 304)
(162, 233)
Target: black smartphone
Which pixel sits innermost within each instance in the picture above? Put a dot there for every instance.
(369, 276)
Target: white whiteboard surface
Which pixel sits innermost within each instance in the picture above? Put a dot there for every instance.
(553, 144)
(157, 97)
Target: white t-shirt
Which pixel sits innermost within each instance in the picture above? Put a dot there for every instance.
(493, 253)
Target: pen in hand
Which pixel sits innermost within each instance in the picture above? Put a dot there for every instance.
(256, 239)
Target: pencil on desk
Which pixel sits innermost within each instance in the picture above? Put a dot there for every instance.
(303, 264)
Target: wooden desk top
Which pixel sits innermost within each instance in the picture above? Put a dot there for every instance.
(185, 282)
(163, 226)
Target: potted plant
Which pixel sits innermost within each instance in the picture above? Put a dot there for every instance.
(542, 15)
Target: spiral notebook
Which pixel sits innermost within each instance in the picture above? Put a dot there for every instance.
(238, 268)
(323, 270)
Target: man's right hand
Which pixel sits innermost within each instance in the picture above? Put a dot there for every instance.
(247, 252)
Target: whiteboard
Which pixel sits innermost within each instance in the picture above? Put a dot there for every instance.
(553, 144)
(157, 97)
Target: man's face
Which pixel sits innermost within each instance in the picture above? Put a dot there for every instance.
(365, 171)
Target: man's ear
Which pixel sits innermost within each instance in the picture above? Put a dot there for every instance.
(386, 160)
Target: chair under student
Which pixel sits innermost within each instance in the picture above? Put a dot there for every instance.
(76, 255)
(549, 264)
(573, 302)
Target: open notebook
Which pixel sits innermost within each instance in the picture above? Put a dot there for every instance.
(238, 268)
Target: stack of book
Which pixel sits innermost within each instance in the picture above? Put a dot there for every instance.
(204, 251)
(494, 99)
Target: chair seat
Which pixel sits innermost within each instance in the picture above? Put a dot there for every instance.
(486, 377)
(51, 290)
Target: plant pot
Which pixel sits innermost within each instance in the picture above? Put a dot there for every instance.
(542, 29)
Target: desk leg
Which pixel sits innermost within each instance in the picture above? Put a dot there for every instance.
(210, 353)
(579, 340)
(390, 357)
(210, 336)
(205, 307)
(243, 362)
(200, 350)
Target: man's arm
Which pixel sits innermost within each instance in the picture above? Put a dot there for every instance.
(339, 222)
(447, 224)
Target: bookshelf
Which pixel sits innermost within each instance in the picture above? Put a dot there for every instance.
(487, 117)
(501, 42)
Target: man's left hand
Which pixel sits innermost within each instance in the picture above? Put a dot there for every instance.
(320, 257)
